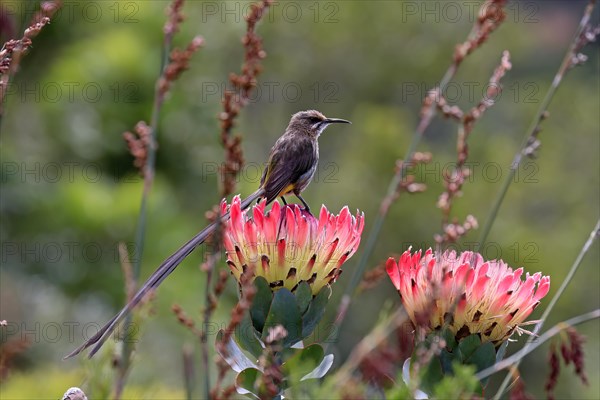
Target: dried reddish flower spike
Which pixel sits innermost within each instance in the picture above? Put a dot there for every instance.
(288, 245)
(236, 98)
(571, 350)
(491, 15)
(465, 293)
(13, 50)
(139, 144)
(554, 362)
(576, 353)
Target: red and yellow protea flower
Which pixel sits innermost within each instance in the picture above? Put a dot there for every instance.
(466, 294)
(288, 245)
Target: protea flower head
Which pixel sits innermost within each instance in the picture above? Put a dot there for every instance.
(288, 245)
(466, 294)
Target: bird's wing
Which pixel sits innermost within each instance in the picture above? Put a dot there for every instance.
(274, 159)
(286, 168)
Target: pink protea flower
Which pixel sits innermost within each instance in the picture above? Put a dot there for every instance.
(288, 245)
(465, 293)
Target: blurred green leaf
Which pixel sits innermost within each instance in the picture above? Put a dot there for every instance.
(461, 385)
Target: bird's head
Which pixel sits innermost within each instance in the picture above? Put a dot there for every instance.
(312, 122)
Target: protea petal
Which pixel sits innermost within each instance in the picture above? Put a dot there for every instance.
(392, 269)
(288, 245)
(465, 293)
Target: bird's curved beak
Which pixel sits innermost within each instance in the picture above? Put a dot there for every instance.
(337, 121)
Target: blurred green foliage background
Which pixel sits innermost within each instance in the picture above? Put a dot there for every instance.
(69, 192)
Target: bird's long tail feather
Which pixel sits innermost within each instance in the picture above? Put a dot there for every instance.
(164, 270)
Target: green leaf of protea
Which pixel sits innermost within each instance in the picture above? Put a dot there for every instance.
(315, 311)
(321, 369)
(247, 382)
(247, 337)
(303, 295)
(261, 303)
(235, 357)
(303, 362)
(468, 345)
(431, 375)
(447, 359)
(284, 311)
(450, 339)
(482, 358)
